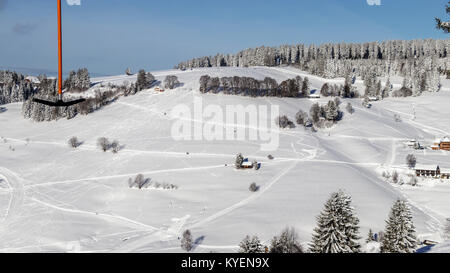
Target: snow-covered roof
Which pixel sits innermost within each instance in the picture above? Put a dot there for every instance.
(432, 168)
(426, 167)
(246, 164)
(446, 139)
(33, 79)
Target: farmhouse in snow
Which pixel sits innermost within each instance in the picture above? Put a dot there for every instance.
(441, 144)
(432, 172)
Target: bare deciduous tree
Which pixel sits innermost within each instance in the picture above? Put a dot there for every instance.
(73, 142)
(103, 143)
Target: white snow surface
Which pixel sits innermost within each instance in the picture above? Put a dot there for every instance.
(57, 199)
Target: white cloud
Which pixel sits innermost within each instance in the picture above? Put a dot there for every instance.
(74, 2)
(374, 2)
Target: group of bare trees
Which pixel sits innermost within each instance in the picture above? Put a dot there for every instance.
(104, 144)
(141, 182)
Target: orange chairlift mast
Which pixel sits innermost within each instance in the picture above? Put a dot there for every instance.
(59, 102)
(59, 51)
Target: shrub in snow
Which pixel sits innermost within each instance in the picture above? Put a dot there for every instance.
(447, 229)
(139, 181)
(397, 118)
(251, 245)
(256, 165)
(270, 157)
(287, 242)
(411, 161)
(302, 118)
(337, 101)
(115, 146)
(284, 122)
(239, 161)
(370, 237)
(413, 181)
(187, 242)
(253, 187)
(350, 108)
(171, 82)
(395, 177)
(399, 236)
(366, 102)
(103, 143)
(337, 227)
(73, 142)
(314, 113)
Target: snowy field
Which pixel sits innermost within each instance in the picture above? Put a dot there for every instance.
(57, 199)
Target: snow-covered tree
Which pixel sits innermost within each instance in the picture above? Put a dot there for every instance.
(239, 160)
(171, 82)
(395, 178)
(284, 122)
(253, 187)
(286, 242)
(399, 235)
(445, 26)
(103, 143)
(115, 146)
(73, 142)
(251, 245)
(302, 118)
(332, 111)
(187, 242)
(370, 237)
(350, 108)
(337, 227)
(144, 80)
(411, 161)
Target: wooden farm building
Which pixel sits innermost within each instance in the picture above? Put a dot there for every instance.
(432, 172)
(441, 144)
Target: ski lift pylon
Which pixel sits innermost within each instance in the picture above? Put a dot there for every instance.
(59, 102)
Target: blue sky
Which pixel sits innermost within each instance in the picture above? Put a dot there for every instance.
(107, 36)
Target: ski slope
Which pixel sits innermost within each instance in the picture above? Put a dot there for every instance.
(57, 199)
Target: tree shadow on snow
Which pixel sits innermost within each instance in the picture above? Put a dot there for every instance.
(198, 242)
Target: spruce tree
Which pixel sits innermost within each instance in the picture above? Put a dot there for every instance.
(337, 227)
(287, 242)
(445, 26)
(251, 245)
(187, 243)
(370, 237)
(399, 235)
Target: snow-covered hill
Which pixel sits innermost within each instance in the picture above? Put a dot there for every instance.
(55, 198)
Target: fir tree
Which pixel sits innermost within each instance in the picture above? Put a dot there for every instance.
(370, 237)
(251, 245)
(445, 26)
(337, 227)
(287, 242)
(187, 243)
(399, 235)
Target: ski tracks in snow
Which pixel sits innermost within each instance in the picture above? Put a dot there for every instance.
(16, 188)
